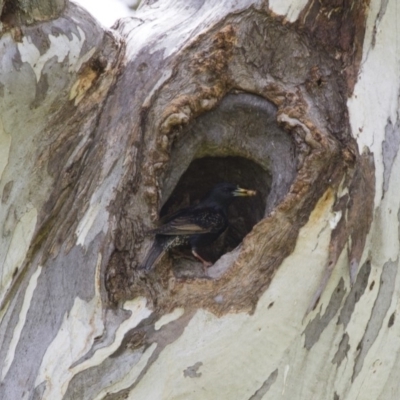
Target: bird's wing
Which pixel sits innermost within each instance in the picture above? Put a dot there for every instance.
(194, 222)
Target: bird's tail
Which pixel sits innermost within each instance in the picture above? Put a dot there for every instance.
(154, 254)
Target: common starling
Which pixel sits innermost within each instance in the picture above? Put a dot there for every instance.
(198, 225)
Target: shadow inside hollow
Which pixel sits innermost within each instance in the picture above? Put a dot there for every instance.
(244, 212)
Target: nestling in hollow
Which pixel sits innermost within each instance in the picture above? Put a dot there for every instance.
(198, 225)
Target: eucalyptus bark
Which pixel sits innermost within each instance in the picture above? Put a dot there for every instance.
(103, 130)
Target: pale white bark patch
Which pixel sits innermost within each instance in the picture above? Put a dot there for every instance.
(167, 318)
(68, 347)
(376, 94)
(293, 123)
(285, 375)
(21, 321)
(265, 338)
(86, 223)
(376, 101)
(337, 216)
(18, 248)
(129, 379)
(161, 17)
(289, 8)
(84, 320)
(385, 233)
(139, 313)
(374, 379)
(5, 144)
(96, 217)
(60, 47)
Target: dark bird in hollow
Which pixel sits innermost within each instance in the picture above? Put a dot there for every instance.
(198, 225)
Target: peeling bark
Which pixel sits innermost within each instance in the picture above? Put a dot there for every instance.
(103, 131)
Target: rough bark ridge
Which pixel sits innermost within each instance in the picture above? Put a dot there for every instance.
(201, 76)
(114, 127)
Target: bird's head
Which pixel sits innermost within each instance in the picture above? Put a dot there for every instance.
(224, 193)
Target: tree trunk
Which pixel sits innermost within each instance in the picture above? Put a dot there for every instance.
(102, 131)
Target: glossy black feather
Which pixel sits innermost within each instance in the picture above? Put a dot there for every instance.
(198, 225)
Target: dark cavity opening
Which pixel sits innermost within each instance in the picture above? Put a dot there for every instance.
(243, 126)
(201, 175)
(238, 142)
(9, 9)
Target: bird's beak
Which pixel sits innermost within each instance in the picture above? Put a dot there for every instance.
(243, 192)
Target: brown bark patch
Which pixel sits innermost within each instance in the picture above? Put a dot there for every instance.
(356, 211)
(211, 66)
(339, 26)
(253, 59)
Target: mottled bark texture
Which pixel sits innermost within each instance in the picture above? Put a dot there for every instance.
(15, 13)
(103, 131)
